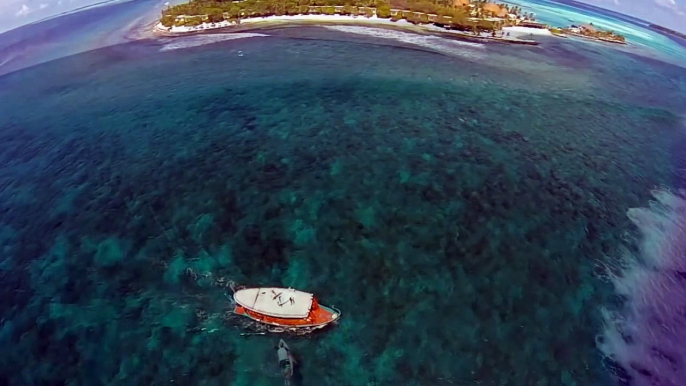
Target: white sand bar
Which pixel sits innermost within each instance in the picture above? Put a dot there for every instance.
(357, 19)
(515, 32)
(526, 31)
(286, 18)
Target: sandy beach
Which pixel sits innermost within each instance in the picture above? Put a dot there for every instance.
(517, 31)
(517, 34)
(280, 19)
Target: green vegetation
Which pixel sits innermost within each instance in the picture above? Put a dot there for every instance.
(383, 10)
(610, 35)
(452, 14)
(197, 11)
(590, 31)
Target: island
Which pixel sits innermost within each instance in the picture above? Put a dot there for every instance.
(481, 19)
(668, 31)
(589, 31)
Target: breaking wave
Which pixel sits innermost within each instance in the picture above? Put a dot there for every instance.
(201, 40)
(7, 60)
(645, 336)
(435, 43)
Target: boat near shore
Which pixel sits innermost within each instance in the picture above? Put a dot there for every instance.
(284, 309)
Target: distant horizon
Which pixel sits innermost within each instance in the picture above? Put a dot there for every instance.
(669, 14)
(665, 13)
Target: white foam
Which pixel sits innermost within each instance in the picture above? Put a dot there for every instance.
(655, 295)
(453, 47)
(315, 18)
(7, 60)
(201, 40)
(524, 31)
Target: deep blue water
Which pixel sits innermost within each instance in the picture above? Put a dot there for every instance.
(453, 200)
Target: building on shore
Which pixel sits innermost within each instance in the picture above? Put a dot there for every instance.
(532, 24)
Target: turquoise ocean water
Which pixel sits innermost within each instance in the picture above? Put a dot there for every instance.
(640, 38)
(455, 200)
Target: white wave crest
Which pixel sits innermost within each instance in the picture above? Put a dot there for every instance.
(201, 40)
(646, 337)
(435, 43)
(7, 60)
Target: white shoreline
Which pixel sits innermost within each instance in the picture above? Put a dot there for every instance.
(285, 18)
(515, 32)
(518, 31)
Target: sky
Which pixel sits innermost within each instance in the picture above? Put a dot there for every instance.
(668, 13)
(15, 13)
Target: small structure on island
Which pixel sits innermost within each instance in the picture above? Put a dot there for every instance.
(487, 23)
(589, 28)
(533, 24)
